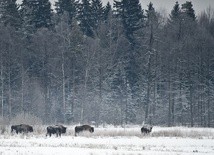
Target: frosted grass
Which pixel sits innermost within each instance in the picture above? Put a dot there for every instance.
(110, 140)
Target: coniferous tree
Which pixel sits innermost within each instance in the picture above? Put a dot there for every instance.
(150, 31)
(35, 14)
(175, 22)
(85, 18)
(9, 13)
(68, 7)
(97, 12)
(43, 14)
(107, 10)
(187, 9)
(175, 13)
(131, 15)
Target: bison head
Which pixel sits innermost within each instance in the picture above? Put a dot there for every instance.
(30, 129)
(63, 129)
(92, 129)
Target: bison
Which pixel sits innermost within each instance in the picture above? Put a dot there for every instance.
(82, 128)
(57, 129)
(22, 128)
(146, 129)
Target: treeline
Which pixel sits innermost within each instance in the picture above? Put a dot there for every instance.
(84, 62)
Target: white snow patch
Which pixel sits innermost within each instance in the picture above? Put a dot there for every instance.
(106, 142)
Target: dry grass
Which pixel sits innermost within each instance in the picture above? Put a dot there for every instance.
(184, 132)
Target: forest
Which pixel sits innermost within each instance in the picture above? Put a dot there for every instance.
(84, 62)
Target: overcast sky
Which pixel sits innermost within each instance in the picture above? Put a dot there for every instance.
(198, 5)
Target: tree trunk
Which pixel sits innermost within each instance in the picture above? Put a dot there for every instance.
(169, 100)
(63, 85)
(191, 107)
(2, 92)
(148, 90)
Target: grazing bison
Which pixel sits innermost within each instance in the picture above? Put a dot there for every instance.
(22, 128)
(57, 129)
(146, 129)
(82, 128)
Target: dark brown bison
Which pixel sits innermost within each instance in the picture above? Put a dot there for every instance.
(82, 128)
(146, 129)
(22, 128)
(57, 129)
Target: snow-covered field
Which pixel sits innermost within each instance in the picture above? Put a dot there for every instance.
(111, 141)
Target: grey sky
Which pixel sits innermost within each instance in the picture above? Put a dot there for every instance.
(198, 5)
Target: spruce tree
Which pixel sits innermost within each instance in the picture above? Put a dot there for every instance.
(175, 13)
(35, 14)
(85, 18)
(43, 15)
(187, 9)
(9, 13)
(151, 15)
(175, 22)
(97, 12)
(107, 10)
(66, 6)
(131, 15)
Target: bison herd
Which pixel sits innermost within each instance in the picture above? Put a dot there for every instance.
(60, 129)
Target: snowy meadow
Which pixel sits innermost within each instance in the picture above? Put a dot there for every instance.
(110, 141)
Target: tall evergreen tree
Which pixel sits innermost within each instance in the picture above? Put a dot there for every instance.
(107, 10)
(36, 14)
(43, 14)
(175, 21)
(85, 18)
(9, 13)
(175, 13)
(131, 15)
(68, 7)
(151, 22)
(97, 12)
(187, 9)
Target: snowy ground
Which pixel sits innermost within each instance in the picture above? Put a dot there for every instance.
(112, 141)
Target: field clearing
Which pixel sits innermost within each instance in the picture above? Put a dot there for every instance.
(111, 141)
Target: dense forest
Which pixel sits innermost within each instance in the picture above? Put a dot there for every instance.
(85, 62)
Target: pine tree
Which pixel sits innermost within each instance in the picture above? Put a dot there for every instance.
(85, 18)
(9, 13)
(131, 15)
(68, 7)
